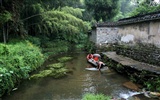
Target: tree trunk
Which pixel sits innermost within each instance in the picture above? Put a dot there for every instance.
(7, 33)
(4, 35)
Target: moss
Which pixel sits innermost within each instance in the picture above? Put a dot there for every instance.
(89, 96)
(58, 73)
(64, 59)
(56, 70)
(56, 65)
(41, 74)
(119, 68)
(55, 73)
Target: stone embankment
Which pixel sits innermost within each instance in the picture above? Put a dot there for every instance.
(144, 74)
(128, 62)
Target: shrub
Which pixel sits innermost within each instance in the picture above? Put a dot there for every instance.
(55, 47)
(96, 97)
(36, 41)
(16, 62)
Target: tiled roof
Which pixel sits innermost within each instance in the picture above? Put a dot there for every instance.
(131, 20)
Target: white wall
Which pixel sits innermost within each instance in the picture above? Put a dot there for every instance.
(144, 32)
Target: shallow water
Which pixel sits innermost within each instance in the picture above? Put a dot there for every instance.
(74, 86)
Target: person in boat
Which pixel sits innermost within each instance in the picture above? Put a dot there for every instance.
(97, 58)
(99, 63)
(90, 56)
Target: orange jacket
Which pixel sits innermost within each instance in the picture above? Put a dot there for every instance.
(96, 58)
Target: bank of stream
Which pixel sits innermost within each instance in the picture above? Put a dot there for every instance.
(75, 85)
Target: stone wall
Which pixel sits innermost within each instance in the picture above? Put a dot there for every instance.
(141, 32)
(93, 36)
(107, 35)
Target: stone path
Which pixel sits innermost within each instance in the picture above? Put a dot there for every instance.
(132, 63)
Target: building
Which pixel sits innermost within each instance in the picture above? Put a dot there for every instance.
(138, 29)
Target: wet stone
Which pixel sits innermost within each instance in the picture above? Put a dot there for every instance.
(131, 86)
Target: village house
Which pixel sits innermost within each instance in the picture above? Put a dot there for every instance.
(137, 29)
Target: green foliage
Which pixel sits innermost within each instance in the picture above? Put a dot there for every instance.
(34, 40)
(56, 65)
(89, 96)
(58, 24)
(90, 47)
(64, 59)
(126, 6)
(129, 8)
(4, 50)
(5, 17)
(31, 54)
(61, 3)
(118, 16)
(55, 47)
(62, 23)
(132, 78)
(103, 9)
(10, 18)
(81, 41)
(153, 84)
(145, 8)
(41, 74)
(77, 12)
(16, 62)
(56, 70)
(58, 73)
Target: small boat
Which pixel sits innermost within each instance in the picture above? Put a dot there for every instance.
(94, 60)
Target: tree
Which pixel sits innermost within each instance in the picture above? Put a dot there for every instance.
(103, 9)
(51, 18)
(126, 6)
(61, 25)
(144, 7)
(61, 3)
(10, 17)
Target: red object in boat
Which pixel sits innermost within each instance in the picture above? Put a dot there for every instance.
(89, 56)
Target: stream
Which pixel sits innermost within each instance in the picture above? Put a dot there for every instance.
(75, 85)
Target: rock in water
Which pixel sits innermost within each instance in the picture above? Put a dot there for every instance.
(131, 86)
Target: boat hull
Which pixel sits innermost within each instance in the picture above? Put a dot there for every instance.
(95, 69)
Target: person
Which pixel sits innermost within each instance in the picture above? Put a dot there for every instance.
(100, 64)
(90, 56)
(96, 58)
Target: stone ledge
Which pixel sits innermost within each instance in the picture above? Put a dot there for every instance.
(128, 62)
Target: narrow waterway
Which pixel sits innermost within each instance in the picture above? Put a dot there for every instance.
(73, 86)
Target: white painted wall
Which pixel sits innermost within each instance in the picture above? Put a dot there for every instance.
(144, 32)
